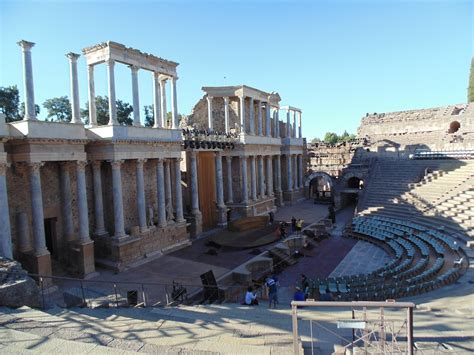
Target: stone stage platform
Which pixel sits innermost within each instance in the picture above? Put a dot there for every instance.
(247, 239)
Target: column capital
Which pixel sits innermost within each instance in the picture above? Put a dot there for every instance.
(25, 45)
(96, 163)
(141, 162)
(228, 157)
(116, 164)
(193, 154)
(162, 78)
(160, 161)
(110, 62)
(134, 68)
(64, 164)
(209, 97)
(81, 165)
(73, 56)
(35, 166)
(226, 99)
(3, 168)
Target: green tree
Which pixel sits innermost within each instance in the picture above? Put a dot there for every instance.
(331, 138)
(124, 111)
(22, 110)
(315, 140)
(470, 90)
(10, 103)
(59, 109)
(149, 115)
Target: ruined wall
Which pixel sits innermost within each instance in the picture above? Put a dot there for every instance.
(198, 116)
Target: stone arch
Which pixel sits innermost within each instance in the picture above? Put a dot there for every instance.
(315, 177)
(344, 182)
(318, 174)
(454, 127)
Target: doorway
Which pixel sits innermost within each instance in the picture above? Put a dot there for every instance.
(50, 235)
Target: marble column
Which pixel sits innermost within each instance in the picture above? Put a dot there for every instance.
(210, 120)
(245, 190)
(37, 209)
(117, 198)
(300, 133)
(98, 202)
(168, 191)
(259, 118)
(174, 104)
(242, 114)
(5, 228)
(92, 107)
(269, 175)
(288, 123)
(30, 108)
(252, 117)
(23, 232)
(178, 191)
(221, 207)
(268, 125)
(253, 177)
(226, 114)
(160, 186)
(83, 212)
(230, 193)
(75, 103)
(278, 189)
(135, 96)
(141, 201)
(300, 171)
(158, 123)
(112, 102)
(164, 118)
(277, 123)
(294, 168)
(294, 123)
(66, 200)
(261, 176)
(194, 184)
(289, 172)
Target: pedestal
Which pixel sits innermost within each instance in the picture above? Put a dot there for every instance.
(83, 259)
(196, 225)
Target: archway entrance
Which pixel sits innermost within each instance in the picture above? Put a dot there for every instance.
(355, 183)
(320, 187)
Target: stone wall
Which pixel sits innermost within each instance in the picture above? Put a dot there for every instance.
(198, 116)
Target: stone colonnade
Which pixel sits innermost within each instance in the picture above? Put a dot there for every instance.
(261, 106)
(293, 122)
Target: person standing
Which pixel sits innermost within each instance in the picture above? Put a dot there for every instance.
(272, 284)
(293, 224)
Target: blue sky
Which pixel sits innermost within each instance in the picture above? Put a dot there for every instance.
(336, 60)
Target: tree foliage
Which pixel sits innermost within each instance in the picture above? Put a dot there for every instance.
(124, 111)
(334, 138)
(22, 110)
(10, 103)
(149, 111)
(59, 109)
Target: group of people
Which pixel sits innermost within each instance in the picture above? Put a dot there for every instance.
(301, 294)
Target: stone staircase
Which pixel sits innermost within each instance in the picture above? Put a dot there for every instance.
(219, 329)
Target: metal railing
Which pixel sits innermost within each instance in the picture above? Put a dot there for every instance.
(379, 328)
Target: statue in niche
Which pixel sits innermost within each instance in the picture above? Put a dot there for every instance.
(169, 211)
(151, 216)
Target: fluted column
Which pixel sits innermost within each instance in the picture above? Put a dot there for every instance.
(135, 95)
(92, 107)
(75, 104)
(141, 202)
(268, 124)
(83, 214)
(277, 123)
(269, 176)
(112, 102)
(178, 191)
(168, 191)
(259, 118)
(158, 123)
(252, 117)
(5, 228)
(164, 111)
(174, 104)
(230, 193)
(98, 202)
(117, 197)
(66, 200)
(242, 114)
(37, 209)
(226, 114)
(210, 120)
(289, 172)
(245, 190)
(294, 168)
(288, 123)
(30, 109)
(253, 177)
(194, 185)
(261, 176)
(160, 187)
(300, 171)
(222, 217)
(23, 232)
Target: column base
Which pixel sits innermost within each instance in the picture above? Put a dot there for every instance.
(82, 258)
(42, 266)
(279, 199)
(195, 219)
(222, 216)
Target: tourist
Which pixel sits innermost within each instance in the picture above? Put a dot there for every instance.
(282, 230)
(299, 295)
(299, 225)
(272, 284)
(332, 214)
(305, 284)
(293, 224)
(251, 297)
(271, 217)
